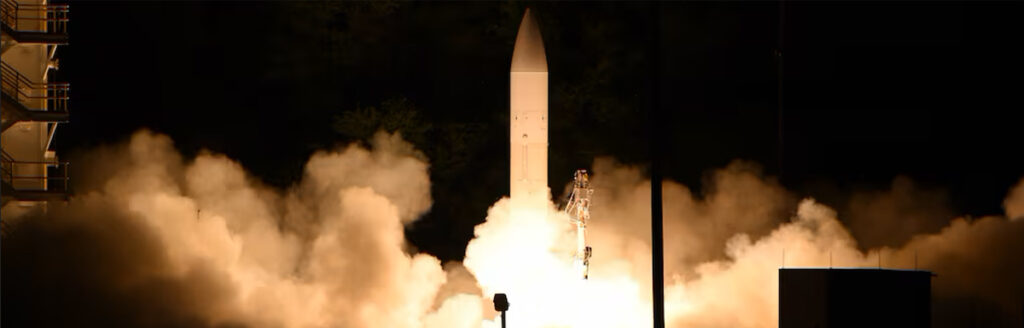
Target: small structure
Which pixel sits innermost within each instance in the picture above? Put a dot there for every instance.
(501, 305)
(578, 210)
(854, 297)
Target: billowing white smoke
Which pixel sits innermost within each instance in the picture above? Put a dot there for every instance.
(329, 252)
(1014, 203)
(158, 241)
(526, 252)
(723, 251)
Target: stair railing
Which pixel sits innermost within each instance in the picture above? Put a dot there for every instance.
(56, 179)
(55, 94)
(54, 16)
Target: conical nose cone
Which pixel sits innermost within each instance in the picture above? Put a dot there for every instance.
(528, 55)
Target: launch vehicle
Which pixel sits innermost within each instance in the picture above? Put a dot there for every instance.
(528, 136)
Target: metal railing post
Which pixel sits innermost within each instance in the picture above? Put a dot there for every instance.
(55, 94)
(55, 16)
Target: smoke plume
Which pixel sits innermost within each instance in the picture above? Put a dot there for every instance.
(892, 217)
(1014, 203)
(163, 242)
(977, 261)
(153, 239)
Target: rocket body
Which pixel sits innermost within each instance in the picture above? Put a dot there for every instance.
(528, 118)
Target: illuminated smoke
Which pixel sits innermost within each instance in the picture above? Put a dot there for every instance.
(1014, 203)
(155, 240)
(724, 247)
(199, 243)
(526, 252)
(892, 217)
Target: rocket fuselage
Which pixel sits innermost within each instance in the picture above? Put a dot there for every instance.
(528, 119)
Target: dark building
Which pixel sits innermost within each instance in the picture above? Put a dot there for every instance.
(854, 297)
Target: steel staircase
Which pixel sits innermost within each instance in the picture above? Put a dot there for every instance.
(34, 23)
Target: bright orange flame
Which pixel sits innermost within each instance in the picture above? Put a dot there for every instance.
(525, 249)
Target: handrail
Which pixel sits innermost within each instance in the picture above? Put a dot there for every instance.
(22, 79)
(9, 165)
(8, 12)
(56, 94)
(55, 16)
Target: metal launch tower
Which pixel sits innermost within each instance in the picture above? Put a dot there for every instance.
(578, 209)
(32, 105)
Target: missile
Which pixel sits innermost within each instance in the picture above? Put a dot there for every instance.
(528, 119)
(528, 138)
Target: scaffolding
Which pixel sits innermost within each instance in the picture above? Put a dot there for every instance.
(25, 100)
(29, 22)
(32, 107)
(578, 209)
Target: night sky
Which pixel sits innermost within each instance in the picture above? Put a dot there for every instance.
(869, 92)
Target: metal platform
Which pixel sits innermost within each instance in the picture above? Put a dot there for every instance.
(18, 91)
(16, 185)
(34, 23)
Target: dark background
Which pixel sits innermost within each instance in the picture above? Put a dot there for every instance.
(869, 91)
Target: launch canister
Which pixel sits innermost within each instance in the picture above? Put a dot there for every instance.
(529, 112)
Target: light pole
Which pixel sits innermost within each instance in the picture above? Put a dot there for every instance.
(501, 304)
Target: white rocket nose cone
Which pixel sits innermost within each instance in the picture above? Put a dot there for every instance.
(528, 55)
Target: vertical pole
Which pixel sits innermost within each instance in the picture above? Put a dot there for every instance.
(501, 304)
(781, 115)
(656, 144)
